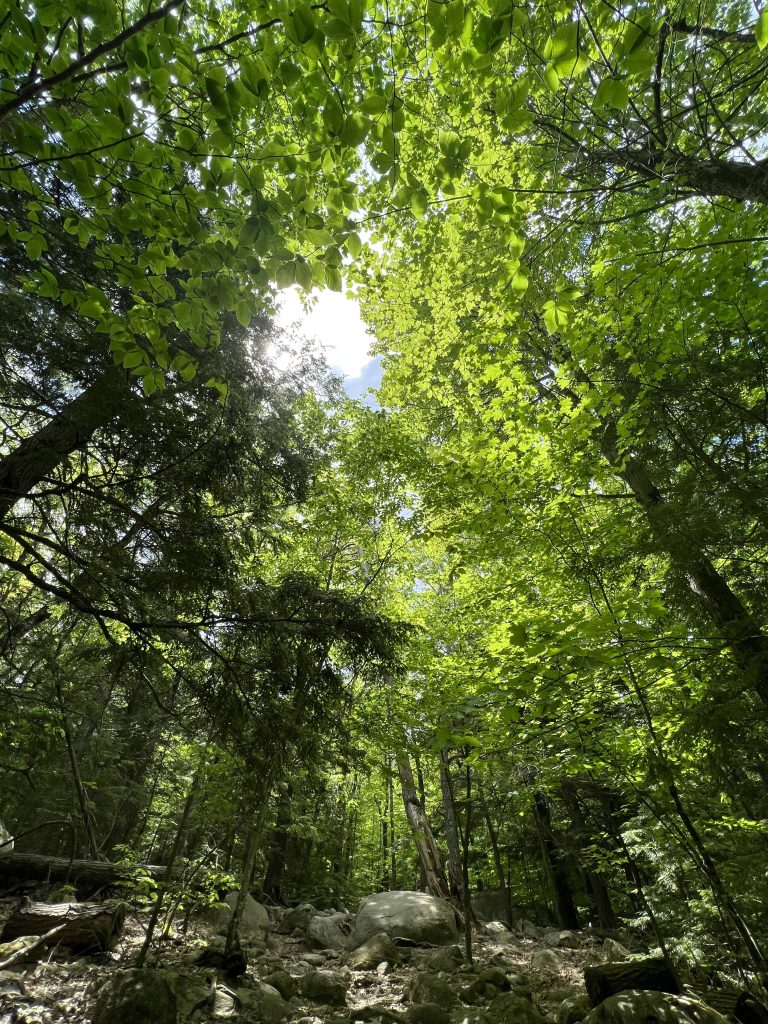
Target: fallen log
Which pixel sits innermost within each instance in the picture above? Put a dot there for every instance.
(86, 927)
(607, 979)
(94, 873)
(736, 1006)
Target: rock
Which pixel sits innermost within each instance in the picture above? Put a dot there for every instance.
(462, 1015)
(329, 931)
(495, 976)
(546, 960)
(573, 1009)
(513, 1008)
(136, 996)
(11, 983)
(313, 959)
(409, 915)
(447, 958)
(283, 982)
(644, 1006)
(374, 951)
(263, 1004)
(194, 995)
(498, 931)
(326, 987)
(255, 919)
(431, 988)
(373, 1012)
(562, 940)
(426, 1013)
(478, 992)
(491, 905)
(297, 918)
(613, 951)
(528, 929)
(233, 963)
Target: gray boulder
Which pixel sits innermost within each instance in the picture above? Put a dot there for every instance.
(326, 987)
(255, 920)
(636, 1006)
(613, 951)
(447, 958)
(431, 988)
(546, 961)
(407, 915)
(194, 994)
(297, 917)
(329, 931)
(136, 996)
(262, 1005)
(573, 1009)
(561, 939)
(376, 950)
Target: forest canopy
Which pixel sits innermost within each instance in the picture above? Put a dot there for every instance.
(505, 625)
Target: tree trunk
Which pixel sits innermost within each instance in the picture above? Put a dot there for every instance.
(554, 865)
(429, 854)
(493, 838)
(87, 926)
(93, 873)
(67, 432)
(273, 877)
(594, 877)
(708, 587)
(451, 829)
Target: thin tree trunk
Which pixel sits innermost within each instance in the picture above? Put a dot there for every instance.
(392, 847)
(554, 864)
(451, 829)
(188, 804)
(249, 863)
(273, 876)
(82, 796)
(597, 884)
(426, 847)
(498, 865)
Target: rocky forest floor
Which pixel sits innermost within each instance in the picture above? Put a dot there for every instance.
(527, 975)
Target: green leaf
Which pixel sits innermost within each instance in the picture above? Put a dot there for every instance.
(612, 94)
(761, 30)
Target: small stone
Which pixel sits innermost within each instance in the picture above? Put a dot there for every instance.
(447, 958)
(378, 949)
(546, 960)
(613, 951)
(283, 982)
(313, 959)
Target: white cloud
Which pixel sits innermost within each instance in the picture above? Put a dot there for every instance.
(335, 321)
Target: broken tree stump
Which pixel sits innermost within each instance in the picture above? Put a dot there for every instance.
(84, 926)
(608, 979)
